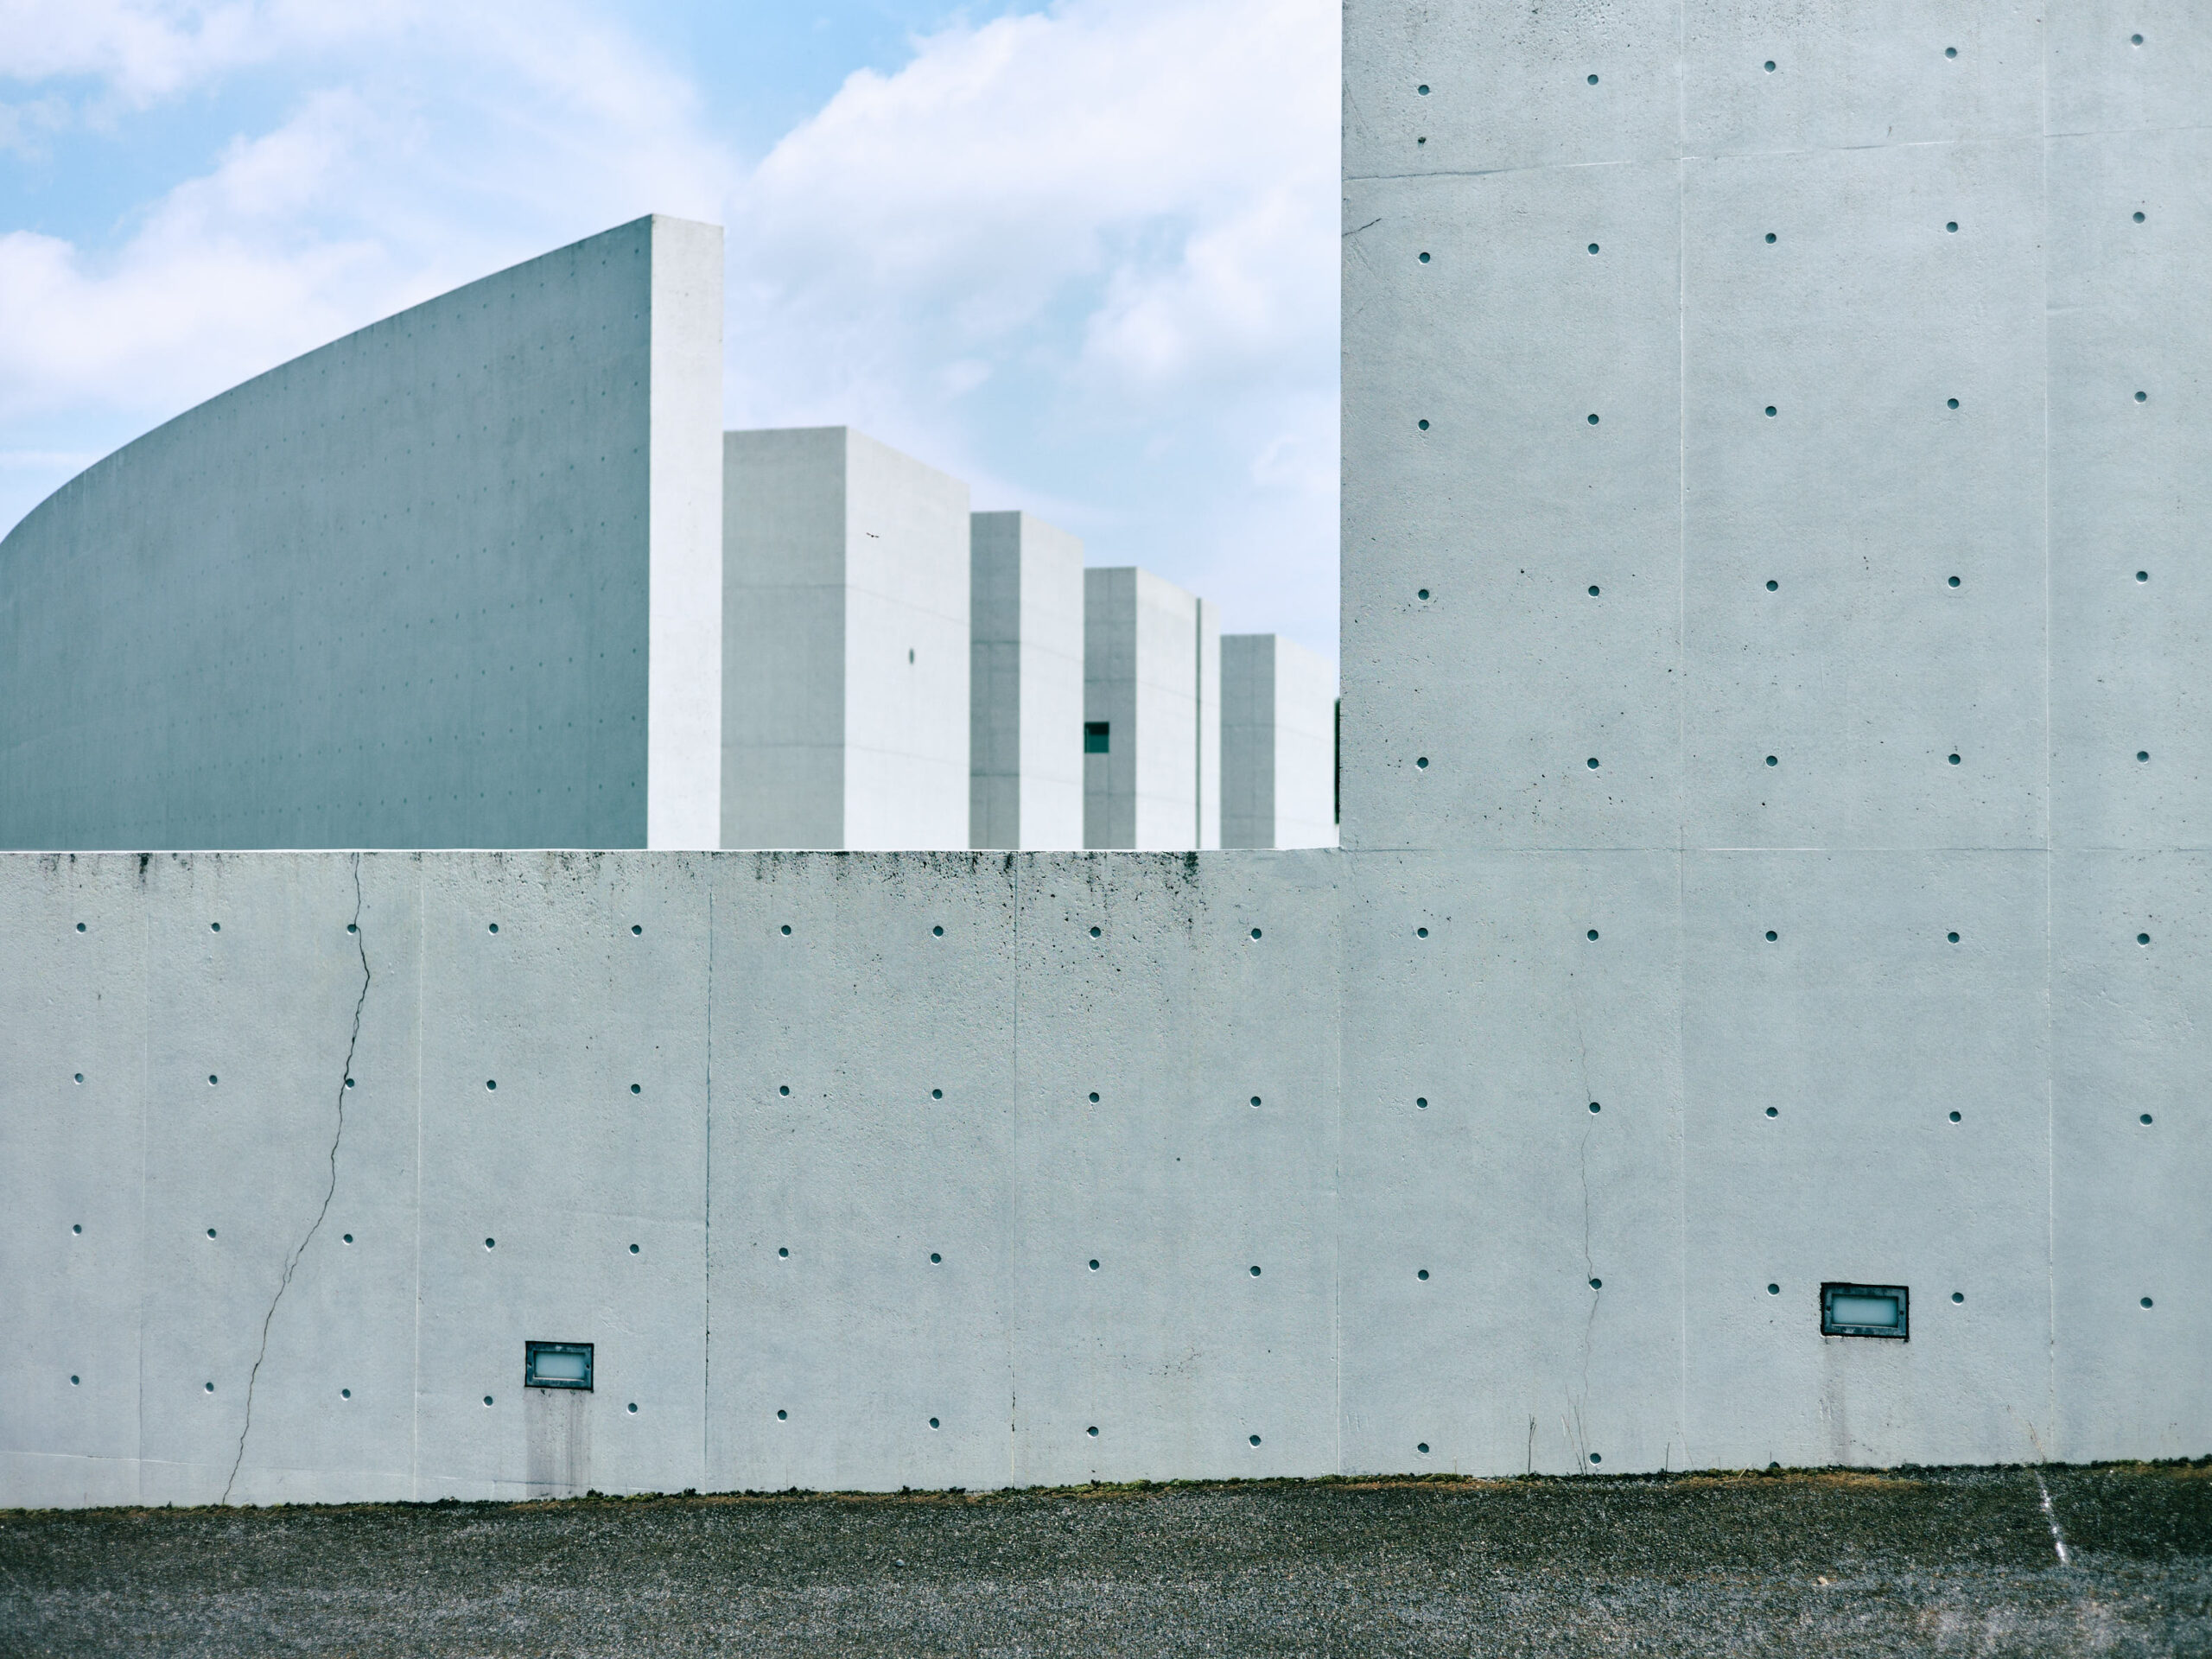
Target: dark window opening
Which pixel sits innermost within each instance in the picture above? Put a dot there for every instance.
(1095, 734)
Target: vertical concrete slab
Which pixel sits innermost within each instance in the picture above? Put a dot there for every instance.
(906, 651)
(1151, 653)
(683, 719)
(399, 592)
(1174, 1279)
(73, 1080)
(1026, 684)
(845, 645)
(783, 604)
(1866, 1061)
(862, 1151)
(1864, 568)
(2131, 1153)
(1278, 744)
(564, 1121)
(1489, 998)
(1512, 573)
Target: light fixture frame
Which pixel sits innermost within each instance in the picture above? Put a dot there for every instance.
(533, 1352)
(1899, 1293)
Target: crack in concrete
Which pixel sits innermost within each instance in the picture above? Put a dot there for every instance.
(330, 1192)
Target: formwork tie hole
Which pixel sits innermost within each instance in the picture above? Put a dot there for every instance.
(783, 1088)
(1771, 936)
(1954, 1117)
(1594, 1107)
(1256, 1272)
(1774, 1111)
(637, 1089)
(1774, 1290)
(937, 1094)
(1422, 1274)
(1422, 1102)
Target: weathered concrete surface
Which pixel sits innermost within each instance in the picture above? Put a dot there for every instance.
(454, 580)
(1771, 668)
(1026, 684)
(1934, 1561)
(1326, 1241)
(845, 630)
(1278, 744)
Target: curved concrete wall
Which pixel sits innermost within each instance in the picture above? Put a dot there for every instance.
(452, 580)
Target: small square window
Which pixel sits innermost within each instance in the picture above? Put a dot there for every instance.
(556, 1365)
(1095, 734)
(1863, 1311)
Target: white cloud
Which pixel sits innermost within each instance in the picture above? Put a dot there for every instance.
(1086, 258)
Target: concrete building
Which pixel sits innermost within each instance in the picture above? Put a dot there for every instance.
(452, 580)
(1755, 1015)
(1150, 715)
(845, 645)
(1278, 744)
(1024, 684)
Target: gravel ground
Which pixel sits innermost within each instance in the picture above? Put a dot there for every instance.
(1912, 1561)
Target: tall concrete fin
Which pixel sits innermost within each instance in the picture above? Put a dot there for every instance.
(449, 581)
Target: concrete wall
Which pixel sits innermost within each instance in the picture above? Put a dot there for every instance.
(1278, 744)
(1026, 684)
(1152, 672)
(1746, 487)
(450, 580)
(1426, 1218)
(845, 628)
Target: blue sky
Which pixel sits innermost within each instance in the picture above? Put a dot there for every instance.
(1082, 254)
